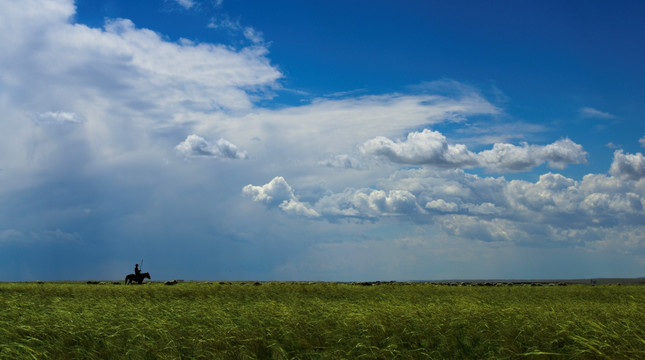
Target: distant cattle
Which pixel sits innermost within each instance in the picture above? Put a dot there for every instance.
(174, 282)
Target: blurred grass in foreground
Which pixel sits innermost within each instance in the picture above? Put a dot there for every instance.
(320, 321)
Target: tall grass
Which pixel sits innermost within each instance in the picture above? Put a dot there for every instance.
(320, 321)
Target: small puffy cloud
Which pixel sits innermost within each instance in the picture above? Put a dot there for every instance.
(508, 157)
(562, 153)
(642, 141)
(278, 193)
(197, 146)
(393, 202)
(273, 193)
(58, 117)
(426, 147)
(629, 166)
(441, 205)
(588, 112)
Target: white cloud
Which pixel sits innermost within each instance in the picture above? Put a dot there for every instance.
(54, 63)
(131, 88)
(630, 166)
(272, 193)
(562, 153)
(508, 157)
(426, 147)
(588, 112)
(296, 207)
(303, 134)
(361, 204)
(442, 206)
(369, 204)
(642, 141)
(197, 146)
(432, 148)
(279, 193)
(392, 202)
(555, 208)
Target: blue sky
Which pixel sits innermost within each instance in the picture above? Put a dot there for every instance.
(321, 140)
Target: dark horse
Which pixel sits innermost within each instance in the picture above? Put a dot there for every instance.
(139, 279)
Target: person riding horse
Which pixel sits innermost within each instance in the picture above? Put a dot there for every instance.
(137, 277)
(132, 278)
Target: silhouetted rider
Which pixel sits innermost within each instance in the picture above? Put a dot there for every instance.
(137, 272)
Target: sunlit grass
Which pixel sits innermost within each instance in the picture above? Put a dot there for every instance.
(320, 321)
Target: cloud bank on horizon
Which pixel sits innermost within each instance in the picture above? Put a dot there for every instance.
(119, 137)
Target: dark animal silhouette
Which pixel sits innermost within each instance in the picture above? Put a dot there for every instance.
(139, 279)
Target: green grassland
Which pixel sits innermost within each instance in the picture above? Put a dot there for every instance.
(320, 321)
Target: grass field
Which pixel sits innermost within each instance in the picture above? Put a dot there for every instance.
(320, 321)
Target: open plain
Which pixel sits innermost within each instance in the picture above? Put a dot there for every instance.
(294, 320)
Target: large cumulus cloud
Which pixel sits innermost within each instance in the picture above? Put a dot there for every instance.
(122, 82)
(116, 94)
(554, 208)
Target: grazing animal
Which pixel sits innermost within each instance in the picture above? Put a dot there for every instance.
(174, 282)
(139, 279)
